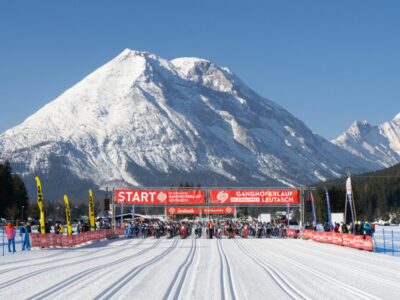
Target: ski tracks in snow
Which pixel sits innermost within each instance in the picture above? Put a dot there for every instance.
(175, 288)
(359, 294)
(123, 280)
(354, 269)
(226, 274)
(67, 258)
(37, 272)
(68, 282)
(279, 279)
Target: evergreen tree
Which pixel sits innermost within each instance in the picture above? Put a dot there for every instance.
(20, 195)
(6, 190)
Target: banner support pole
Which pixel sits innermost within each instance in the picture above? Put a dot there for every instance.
(113, 210)
(302, 206)
(122, 214)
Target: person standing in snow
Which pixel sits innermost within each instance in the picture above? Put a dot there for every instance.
(47, 227)
(199, 229)
(337, 226)
(27, 243)
(61, 229)
(367, 229)
(56, 229)
(183, 229)
(10, 232)
(209, 229)
(343, 228)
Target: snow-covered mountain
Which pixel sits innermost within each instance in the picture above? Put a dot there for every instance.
(141, 120)
(380, 144)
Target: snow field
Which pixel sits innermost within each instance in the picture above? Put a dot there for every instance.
(199, 269)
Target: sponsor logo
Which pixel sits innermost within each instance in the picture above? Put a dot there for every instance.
(162, 197)
(186, 210)
(222, 196)
(171, 210)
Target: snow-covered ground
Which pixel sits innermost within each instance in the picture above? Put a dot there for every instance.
(200, 269)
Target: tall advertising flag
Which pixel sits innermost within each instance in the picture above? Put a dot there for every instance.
(68, 215)
(328, 205)
(313, 208)
(91, 211)
(40, 204)
(349, 197)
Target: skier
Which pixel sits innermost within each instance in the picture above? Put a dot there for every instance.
(210, 230)
(183, 235)
(199, 230)
(245, 230)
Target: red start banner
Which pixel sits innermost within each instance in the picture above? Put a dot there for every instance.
(183, 210)
(218, 210)
(160, 196)
(255, 196)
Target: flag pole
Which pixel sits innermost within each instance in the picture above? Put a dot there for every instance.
(352, 195)
(345, 205)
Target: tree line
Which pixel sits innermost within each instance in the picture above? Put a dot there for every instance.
(15, 203)
(376, 196)
(13, 195)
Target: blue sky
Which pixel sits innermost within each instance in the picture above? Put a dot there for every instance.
(327, 62)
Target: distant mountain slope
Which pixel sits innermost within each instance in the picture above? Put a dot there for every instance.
(141, 120)
(380, 144)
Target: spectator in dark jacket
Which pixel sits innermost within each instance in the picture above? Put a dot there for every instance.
(47, 227)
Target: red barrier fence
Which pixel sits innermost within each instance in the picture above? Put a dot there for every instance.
(343, 239)
(51, 239)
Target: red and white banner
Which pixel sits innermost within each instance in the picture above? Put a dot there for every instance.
(255, 196)
(183, 210)
(160, 196)
(344, 239)
(51, 239)
(218, 210)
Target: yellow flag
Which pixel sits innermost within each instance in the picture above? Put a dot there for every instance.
(68, 214)
(91, 211)
(40, 204)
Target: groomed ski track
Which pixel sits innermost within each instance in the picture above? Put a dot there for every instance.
(200, 269)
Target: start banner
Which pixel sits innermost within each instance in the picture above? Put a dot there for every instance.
(160, 196)
(218, 210)
(183, 210)
(255, 196)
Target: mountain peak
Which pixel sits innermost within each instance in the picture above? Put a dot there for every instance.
(380, 143)
(358, 127)
(132, 52)
(397, 117)
(141, 120)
